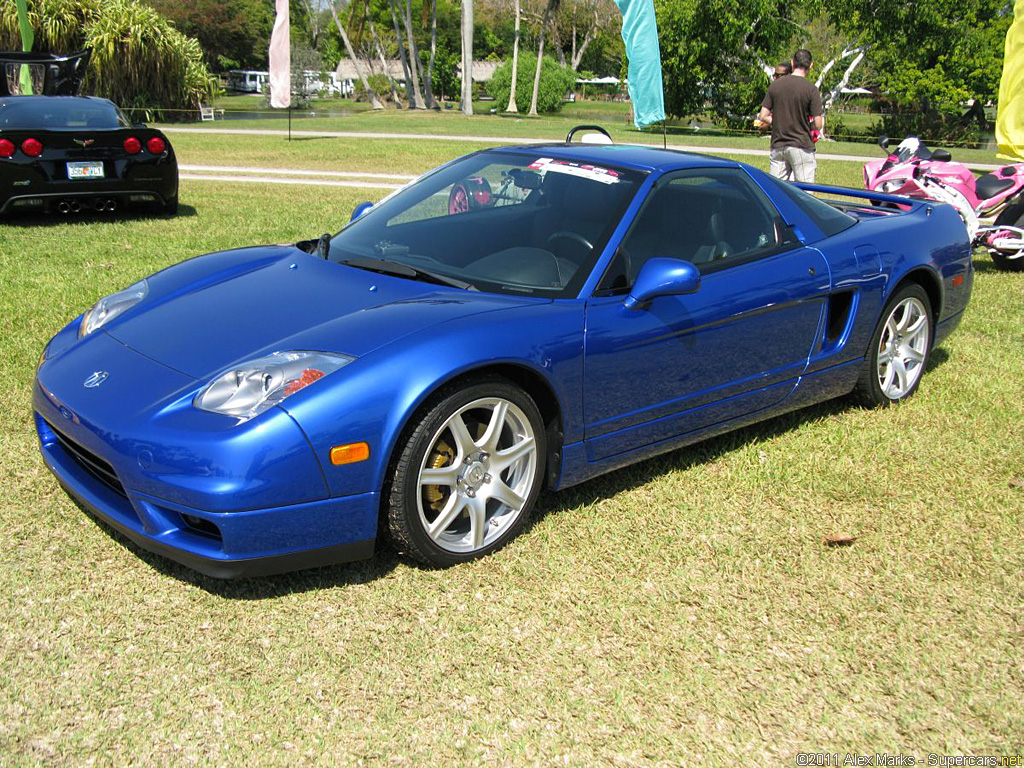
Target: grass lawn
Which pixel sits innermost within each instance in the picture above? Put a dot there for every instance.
(483, 124)
(683, 610)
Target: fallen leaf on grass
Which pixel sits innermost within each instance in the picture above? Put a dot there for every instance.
(839, 540)
(1017, 482)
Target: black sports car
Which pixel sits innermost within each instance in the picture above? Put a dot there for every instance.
(68, 154)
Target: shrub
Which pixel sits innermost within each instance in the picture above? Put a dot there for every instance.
(931, 127)
(381, 85)
(555, 82)
(139, 60)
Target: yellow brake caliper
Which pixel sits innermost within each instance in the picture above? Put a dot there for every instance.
(442, 456)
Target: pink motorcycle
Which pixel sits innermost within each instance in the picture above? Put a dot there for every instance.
(992, 206)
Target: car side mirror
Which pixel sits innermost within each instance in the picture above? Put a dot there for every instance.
(883, 142)
(941, 155)
(360, 209)
(662, 277)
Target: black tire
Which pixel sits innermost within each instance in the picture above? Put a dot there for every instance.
(405, 498)
(1011, 217)
(171, 206)
(869, 389)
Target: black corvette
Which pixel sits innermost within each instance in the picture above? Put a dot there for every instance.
(70, 154)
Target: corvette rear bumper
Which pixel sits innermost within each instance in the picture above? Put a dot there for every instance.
(223, 545)
(87, 199)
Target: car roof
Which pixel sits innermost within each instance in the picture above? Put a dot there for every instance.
(634, 156)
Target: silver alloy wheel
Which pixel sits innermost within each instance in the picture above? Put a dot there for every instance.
(482, 486)
(902, 348)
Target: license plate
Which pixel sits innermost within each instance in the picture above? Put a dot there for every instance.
(92, 170)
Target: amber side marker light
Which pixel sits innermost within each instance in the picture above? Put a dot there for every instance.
(350, 454)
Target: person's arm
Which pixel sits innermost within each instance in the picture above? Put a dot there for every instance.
(816, 112)
(765, 116)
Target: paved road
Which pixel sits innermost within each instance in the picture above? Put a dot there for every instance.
(511, 140)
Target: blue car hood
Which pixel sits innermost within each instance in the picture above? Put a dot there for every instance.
(209, 313)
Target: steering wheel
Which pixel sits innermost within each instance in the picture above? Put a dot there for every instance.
(570, 236)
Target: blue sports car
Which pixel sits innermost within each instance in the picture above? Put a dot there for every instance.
(518, 319)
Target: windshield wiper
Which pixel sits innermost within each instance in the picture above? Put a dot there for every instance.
(387, 267)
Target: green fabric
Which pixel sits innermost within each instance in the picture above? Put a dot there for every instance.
(28, 39)
(640, 33)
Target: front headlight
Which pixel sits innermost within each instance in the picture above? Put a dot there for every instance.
(249, 389)
(109, 307)
(891, 185)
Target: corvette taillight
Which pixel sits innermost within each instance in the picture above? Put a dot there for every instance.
(156, 145)
(132, 145)
(32, 147)
(6, 148)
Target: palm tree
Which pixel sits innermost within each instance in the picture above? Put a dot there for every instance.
(515, 66)
(414, 56)
(467, 57)
(409, 91)
(551, 8)
(428, 81)
(374, 101)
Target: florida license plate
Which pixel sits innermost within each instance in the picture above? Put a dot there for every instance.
(86, 170)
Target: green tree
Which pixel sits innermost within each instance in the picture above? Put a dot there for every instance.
(304, 59)
(234, 34)
(713, 52)
(929, 56)
(446, 73)
(555, 80)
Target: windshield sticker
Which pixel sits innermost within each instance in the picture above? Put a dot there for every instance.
(593, 172)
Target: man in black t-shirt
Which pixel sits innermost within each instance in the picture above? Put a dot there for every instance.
(792, 107)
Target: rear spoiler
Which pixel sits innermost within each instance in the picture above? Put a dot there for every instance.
(51, 75)
(905, 203)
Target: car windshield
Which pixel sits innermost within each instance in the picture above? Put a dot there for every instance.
(57, 112)
(502, 222)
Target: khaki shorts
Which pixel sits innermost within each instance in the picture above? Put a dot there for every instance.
(792, 164)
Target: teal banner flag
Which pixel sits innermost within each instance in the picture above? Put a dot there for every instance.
(640, 33)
